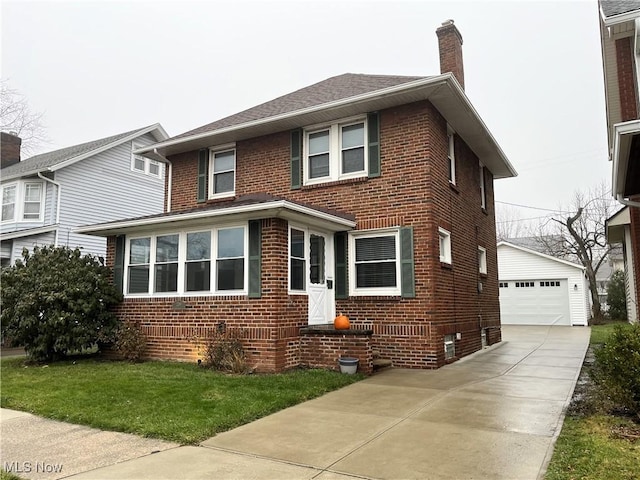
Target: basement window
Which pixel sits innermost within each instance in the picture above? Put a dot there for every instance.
(449, 346)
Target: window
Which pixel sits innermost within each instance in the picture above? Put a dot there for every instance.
(22, 202)
(336, 151)
(445, 245)
(139, 259)
(9, 203)
(297, 264)
(525, 284)
(449, 346)
(376, 260)
(451, 156)
(181, 262)
(230, 263)
(482, 260)
(198, 263)
(223, 173)
(32, 201)
(553, 283)
(143, 164)
(483, 194)
(503, 284)
(166, 274)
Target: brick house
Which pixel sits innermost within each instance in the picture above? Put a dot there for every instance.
(619, 34)
(367, 195)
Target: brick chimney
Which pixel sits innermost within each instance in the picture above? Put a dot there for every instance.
(9, 149)
(450, 45)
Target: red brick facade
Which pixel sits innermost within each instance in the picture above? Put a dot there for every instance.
(413, 190)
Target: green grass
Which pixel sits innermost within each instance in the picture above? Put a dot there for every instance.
(8, 476)
(169, 400)
(588, 447)
(587, 450)
(600, 333)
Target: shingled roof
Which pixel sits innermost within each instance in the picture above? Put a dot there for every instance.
(611, 8)
(47, 161)
(329, 90)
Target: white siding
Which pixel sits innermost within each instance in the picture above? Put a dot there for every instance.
(516, 264)
(30, 242)
(103, 188)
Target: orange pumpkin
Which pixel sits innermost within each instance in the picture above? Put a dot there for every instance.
(341, 322)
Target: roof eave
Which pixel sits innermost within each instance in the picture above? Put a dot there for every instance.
(539, 254)
(623, 134)
(272, 209)
(443, 91)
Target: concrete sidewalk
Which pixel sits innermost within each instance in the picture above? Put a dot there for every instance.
(493, 415)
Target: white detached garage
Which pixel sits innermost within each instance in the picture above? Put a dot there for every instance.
(537, 289)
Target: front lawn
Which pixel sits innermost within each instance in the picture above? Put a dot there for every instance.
(174, 401)
(596, 443)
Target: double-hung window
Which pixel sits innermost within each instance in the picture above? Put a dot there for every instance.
(482, 260)
(451, 157)
(193, 262)
(222, 173)
(198, 262)
(297, 260)
(9, 203)
(483, 192)
(22, 202)
(336, 151)
(376, 261)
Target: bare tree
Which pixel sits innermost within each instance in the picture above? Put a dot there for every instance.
(16, 117)
(581, 235)
(509, 223)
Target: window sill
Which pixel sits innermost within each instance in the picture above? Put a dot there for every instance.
(454, 187)
(484, 210)
(446, 265)
(377, 298)
(330, 183)
(483, 275)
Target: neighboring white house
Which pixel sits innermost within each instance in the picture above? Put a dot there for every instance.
(619, 232)
(537, 289)
(45, 197)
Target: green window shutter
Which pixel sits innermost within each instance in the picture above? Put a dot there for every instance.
(296, 158)
(203, 167)
(373, 129)
(406, 263)
(118, 263)
(255, 258)
(342, 278)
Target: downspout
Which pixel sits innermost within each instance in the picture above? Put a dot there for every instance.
(59, 192)
(628, 203)
(169, 177)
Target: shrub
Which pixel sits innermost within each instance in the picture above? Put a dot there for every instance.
(224, 352)
(616, 297)
(617, 368)
(56, 301)
(130, 341)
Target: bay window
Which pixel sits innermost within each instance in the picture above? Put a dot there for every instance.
(9, 203)
(22, 202)
(181, 262)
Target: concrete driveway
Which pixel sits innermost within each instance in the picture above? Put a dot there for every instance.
(493, 415)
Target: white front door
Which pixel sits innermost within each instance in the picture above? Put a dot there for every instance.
(320, 279)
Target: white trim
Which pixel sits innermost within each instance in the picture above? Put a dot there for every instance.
(482, 260)
(182, 262)
(623, 133)
(451, 155)
(305, 257)
(20, 201)
(29, 232)
(211, 173)
(543, 255)
(445, 257)
(371, 291)
(483, 188)
(276, 208)
(334, 130)
(620, 18)
(443, 90)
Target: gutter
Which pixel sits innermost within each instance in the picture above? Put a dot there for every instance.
(59, 192)
(629, 203)
(162, 158)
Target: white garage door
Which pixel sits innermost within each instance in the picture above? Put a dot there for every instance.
(534, 302)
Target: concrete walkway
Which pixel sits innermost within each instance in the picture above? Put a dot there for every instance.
(493, 415)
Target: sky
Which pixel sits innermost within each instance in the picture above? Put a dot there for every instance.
(533, 70)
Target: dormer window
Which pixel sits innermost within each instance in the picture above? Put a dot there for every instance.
(335, 152)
